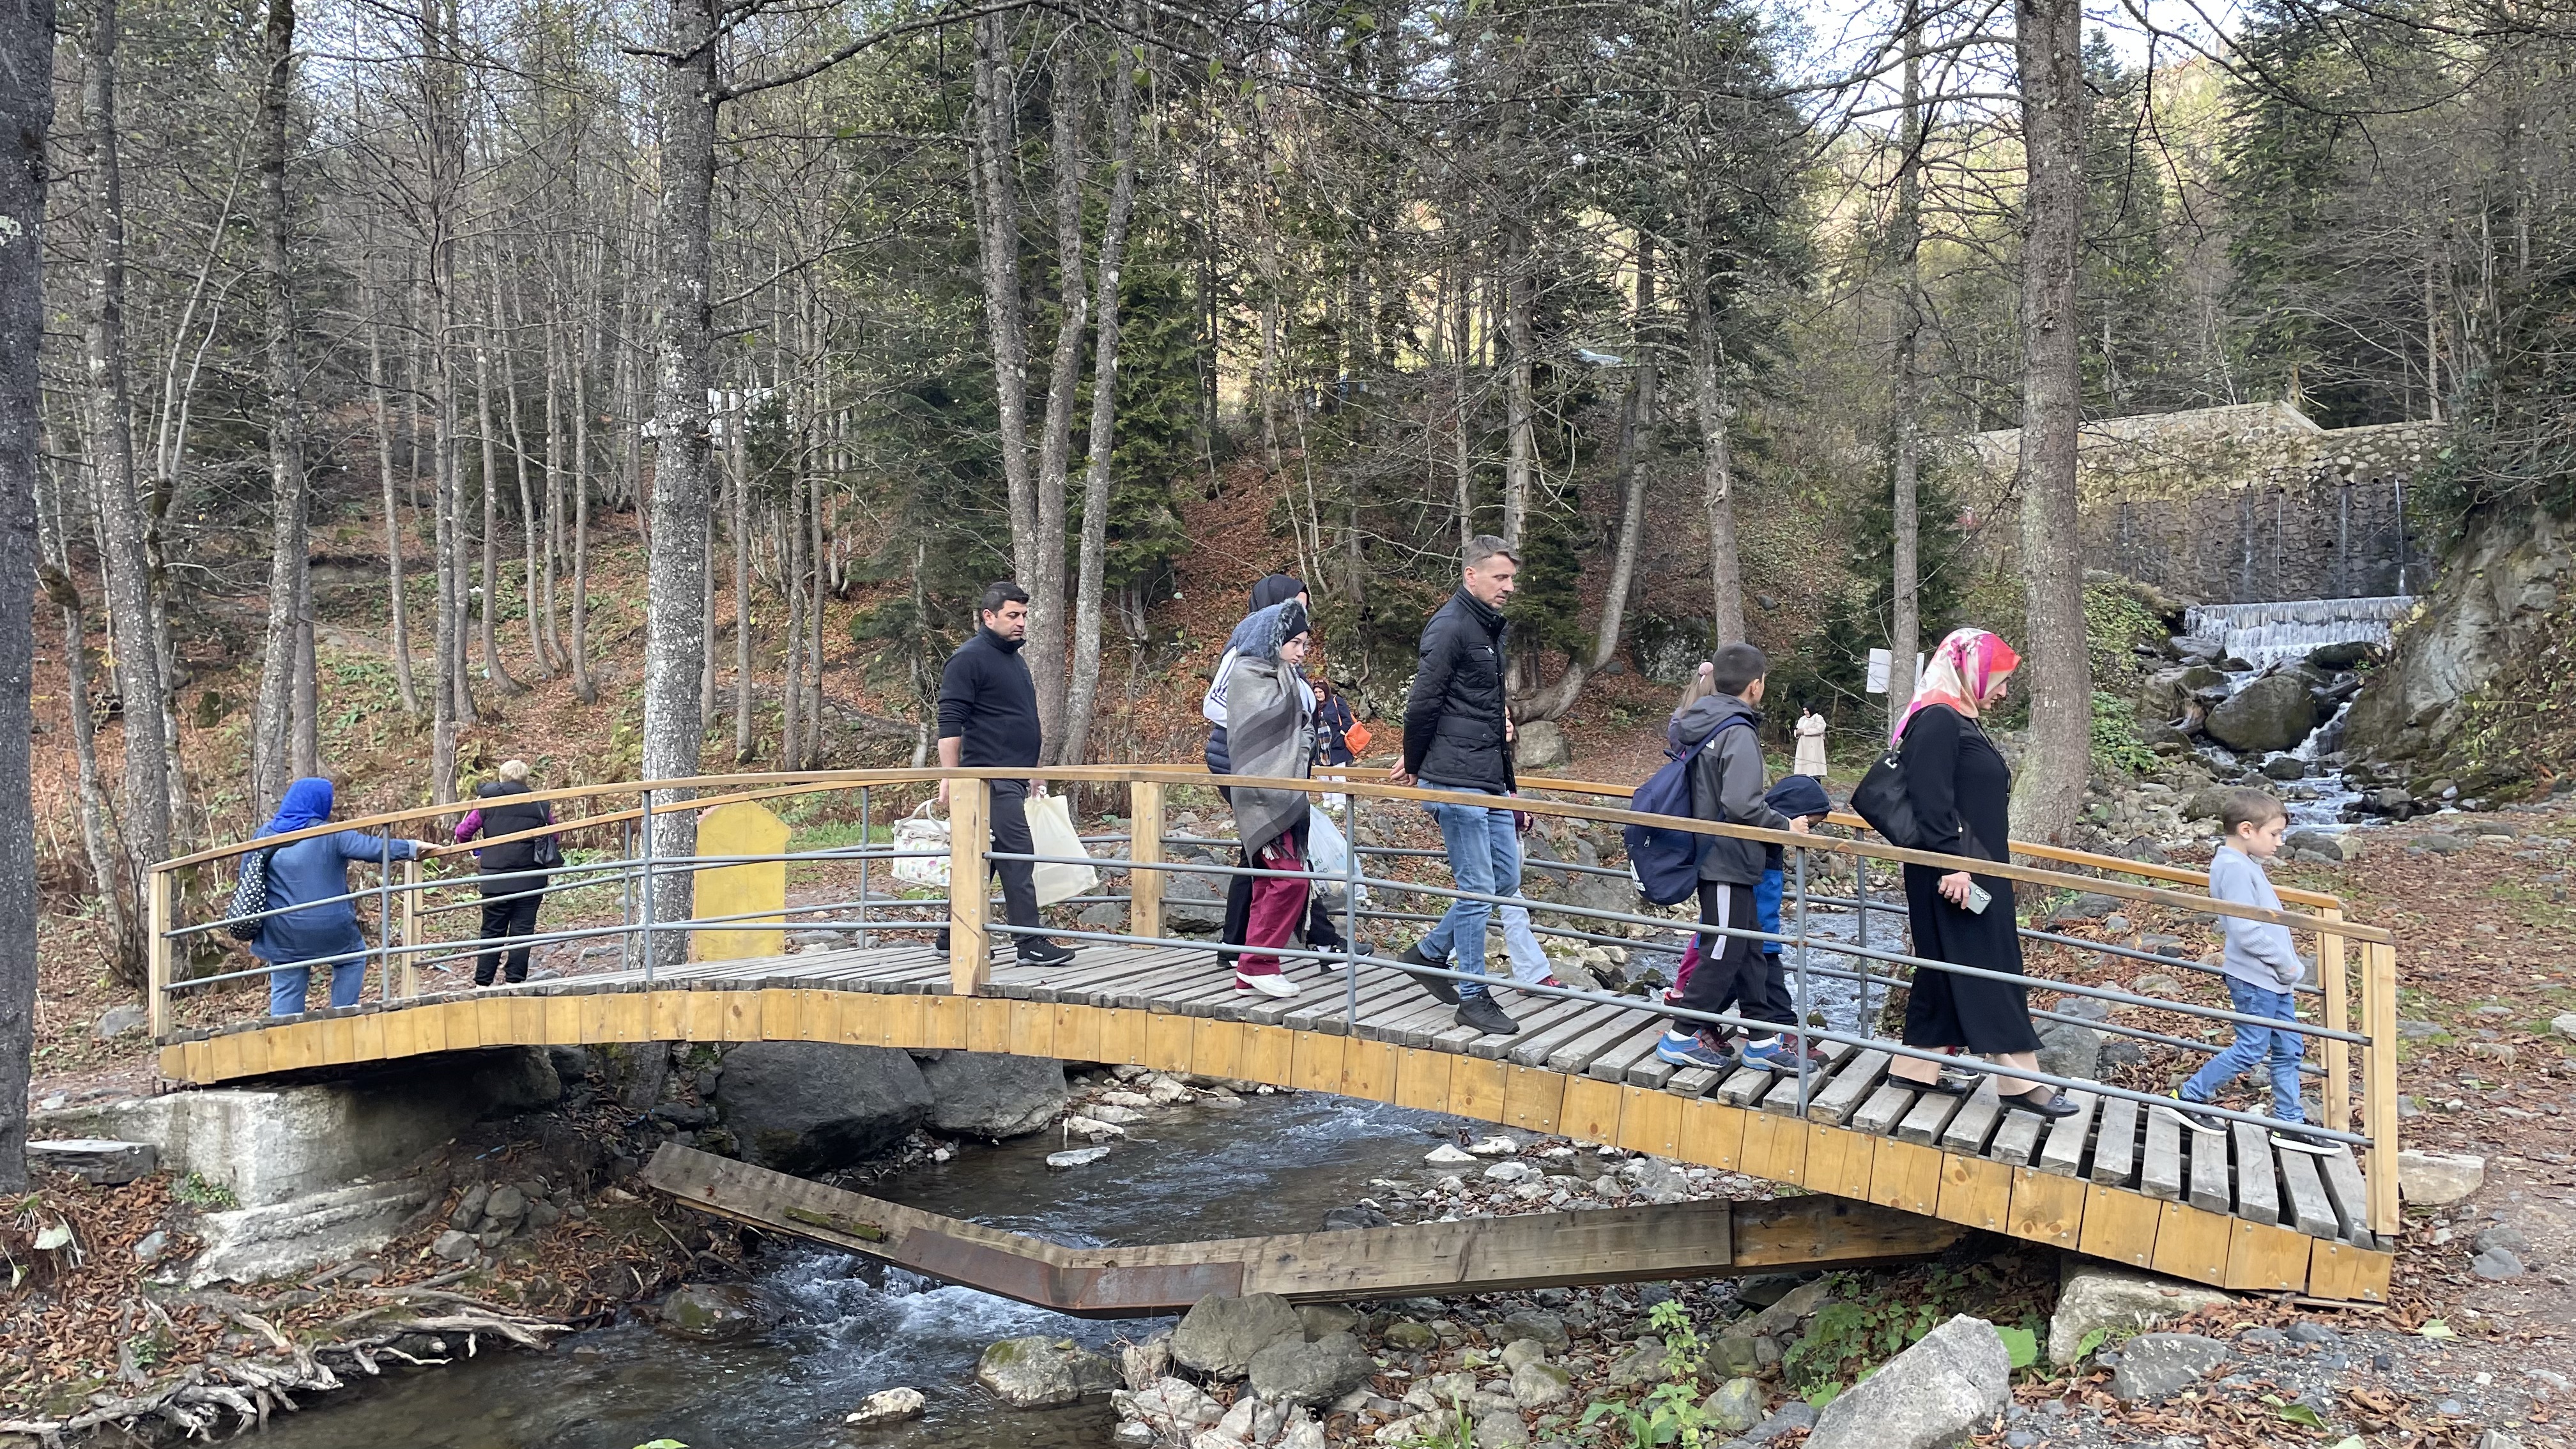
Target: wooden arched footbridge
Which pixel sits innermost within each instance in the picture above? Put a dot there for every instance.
(2118, 1181)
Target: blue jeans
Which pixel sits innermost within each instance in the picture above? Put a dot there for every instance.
(1484, 856)
(2253, 1046)
(287, 985)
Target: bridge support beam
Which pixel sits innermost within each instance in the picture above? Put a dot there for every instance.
(1704, 1239)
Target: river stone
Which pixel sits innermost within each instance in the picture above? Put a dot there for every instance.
(1501, 1429)
(1174, 1409)
(1354, 1217)
(2285, 767)
(1732, 1354)
(1220, 1335)
(1535, 1323)
(1295, 1371)
(2496, 1265)
(2433, 1179)
(811, 1107)
(455, 1247)
(710, 1311)
(1791, 1416)
(2272, 713)
(2336, 845)
(1535, 1384)
(886, 1406)
(993, 1094)
(1406, 1336)
(2068, 1050)
(2091, 1296)
(1953, 1382)
(1322, 1320)
(1039, 1372)
(2155, 1365)
(116, 1021)
(1643, 1364)
(506, 1205)
(1522, 1350)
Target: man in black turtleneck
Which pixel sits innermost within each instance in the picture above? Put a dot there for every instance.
(988, 719)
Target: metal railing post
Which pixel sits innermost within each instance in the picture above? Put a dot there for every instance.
(1798, 1009)
(156, 951)
(1145, 847)
(1351, 914)
(644, 826)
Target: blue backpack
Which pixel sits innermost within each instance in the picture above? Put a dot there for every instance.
(1665, 860)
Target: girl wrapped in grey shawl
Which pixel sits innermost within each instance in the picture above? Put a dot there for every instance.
(1269, 726)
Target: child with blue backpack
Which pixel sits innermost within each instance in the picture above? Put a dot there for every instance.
(1720, 734)
(1800, 798)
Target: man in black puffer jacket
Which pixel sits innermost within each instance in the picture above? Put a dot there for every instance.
(1458, 736)
(511, 890)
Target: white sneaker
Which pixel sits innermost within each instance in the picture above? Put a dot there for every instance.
(1273, 985)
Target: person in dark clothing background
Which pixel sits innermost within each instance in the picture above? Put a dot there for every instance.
(988, 719)
(1458, 736)
(1269, 592)
(1961, 789)
(512, 890)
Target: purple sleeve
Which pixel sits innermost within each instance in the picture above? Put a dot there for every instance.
(472, 823)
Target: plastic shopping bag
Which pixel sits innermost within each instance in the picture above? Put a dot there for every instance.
(1051, 827)
(1326, 852)
(922, 831)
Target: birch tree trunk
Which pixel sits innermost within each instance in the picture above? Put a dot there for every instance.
(1046, 648)
(675, 626)
(1905, 611)
(582, 687)
(541, 663)
(144, 813)
(998, 246)
(111, 875)
(271, 761)
(486, 338)
(26, 112)
(1717, 464)
(1082, 692)
(399, 646)
(1521, 459)
(2048, 37)
(740, 526)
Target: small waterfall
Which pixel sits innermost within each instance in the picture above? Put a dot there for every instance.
(2267, 634)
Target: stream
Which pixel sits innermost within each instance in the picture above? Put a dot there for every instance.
(847, 1326)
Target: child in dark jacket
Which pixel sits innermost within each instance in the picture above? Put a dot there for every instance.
(1799, 798)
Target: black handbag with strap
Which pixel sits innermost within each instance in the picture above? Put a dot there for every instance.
(1882, 799)
(250, 896)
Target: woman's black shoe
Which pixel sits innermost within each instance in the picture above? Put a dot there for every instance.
(2053, 1106)
(1943, 1083)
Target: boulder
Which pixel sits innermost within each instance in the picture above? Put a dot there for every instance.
(2068, 1050)
(1733, 1354)
(2272, 713)
(2157, 1365)
(1792, 1308)
(1220, 1335)
(2285, 767)
(1953, 1382)
(811, 1107)
(2495, 606)
(2350, 654)
(2205, 803)
(1536, 1384)
(1535, 1323)
(96, 1160)
(1193, 905)
(1541, 745)
(710, 1311)
(1039, 1372)
(1291, 1370)
(2333, 844)
(2432, 1179)
(1173, 1408)
(887, 1406)
(1355, 1216)
(1736, 1406)
(1322, 1320)
(2496, 1265)
(2091, 1295)
(993, 1094)
(1070, 1159)
(116, 1021)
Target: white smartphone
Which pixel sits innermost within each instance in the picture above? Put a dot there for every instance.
(1979, 898)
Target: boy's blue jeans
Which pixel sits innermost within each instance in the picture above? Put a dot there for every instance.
(1485, 856)
(2254, 1045)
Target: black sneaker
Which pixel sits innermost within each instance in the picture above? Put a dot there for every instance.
(1480, 1012)
(939, 941)
(1039, 951)
(1442, 989)
(2182, 1109)
(2300, 1139)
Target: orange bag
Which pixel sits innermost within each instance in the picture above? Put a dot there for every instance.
(1356, 739)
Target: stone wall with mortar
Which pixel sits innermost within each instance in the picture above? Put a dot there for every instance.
(2245, 504)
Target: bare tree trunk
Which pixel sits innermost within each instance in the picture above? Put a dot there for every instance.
(997, 215)
(1905, 611)
(1717, 464)
(487, 337)
(675, 625)
(528, 601)
(2048, 37)
(26, 112)
(1046, 648)
(582, 687)
(1083, 690)
(549, 640)
(399, 646)
(812, 754)
(1635, 413)
(1521, 459)
(739, 485)
(144, 813)
(112, 877)
(791, 693)
(271, 764)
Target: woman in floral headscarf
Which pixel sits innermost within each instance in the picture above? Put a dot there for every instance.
(1962, 791)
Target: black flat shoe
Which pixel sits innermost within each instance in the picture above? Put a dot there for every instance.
(1945, 1084)
(2052, 1107)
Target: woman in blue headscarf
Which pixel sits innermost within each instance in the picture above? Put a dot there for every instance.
(315, 869)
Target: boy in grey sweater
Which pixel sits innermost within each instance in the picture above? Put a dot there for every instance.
(2263, 973)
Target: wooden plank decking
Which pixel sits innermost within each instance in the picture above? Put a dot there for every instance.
(2115, 1182)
